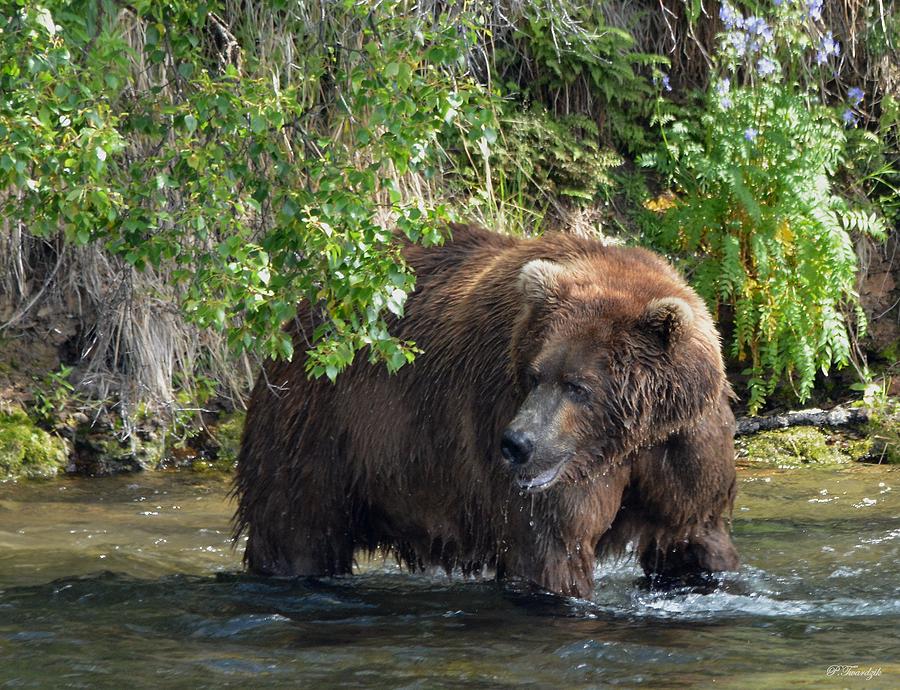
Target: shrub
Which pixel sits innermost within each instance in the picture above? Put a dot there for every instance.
(568, 54)
(757, 220)
(144, 128)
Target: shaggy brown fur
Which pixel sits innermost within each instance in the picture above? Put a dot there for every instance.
(607, 343)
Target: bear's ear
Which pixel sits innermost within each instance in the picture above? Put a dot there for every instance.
(669, 318)
(539, 279)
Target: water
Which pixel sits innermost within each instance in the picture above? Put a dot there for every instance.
(132, 583)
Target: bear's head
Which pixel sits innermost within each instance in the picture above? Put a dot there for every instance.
(608, 359)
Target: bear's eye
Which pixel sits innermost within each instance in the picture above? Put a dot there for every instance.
(577, 391)
(532, 380)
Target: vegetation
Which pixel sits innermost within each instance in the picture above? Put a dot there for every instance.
(758, 219)
(801, 446)
(184, 172)
(254, 190)
(28, 451)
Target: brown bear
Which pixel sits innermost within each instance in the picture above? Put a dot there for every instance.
(570, 398)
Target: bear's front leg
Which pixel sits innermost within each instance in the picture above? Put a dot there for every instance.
(702, 552)
(557, 569)
(682, 495)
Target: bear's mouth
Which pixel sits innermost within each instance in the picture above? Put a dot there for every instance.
(543, 480)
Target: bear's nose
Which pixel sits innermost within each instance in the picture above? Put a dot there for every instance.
(516, 447)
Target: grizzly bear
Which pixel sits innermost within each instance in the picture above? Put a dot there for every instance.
(569, 399)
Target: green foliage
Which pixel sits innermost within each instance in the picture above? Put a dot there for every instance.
(874, 160)
(259, 189)
(537, 161)
(557, 157)
(57, 129)
(883, 427)
(757, 219)
(559, 45)
(51, 394)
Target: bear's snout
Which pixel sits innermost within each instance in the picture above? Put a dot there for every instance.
(516, 447)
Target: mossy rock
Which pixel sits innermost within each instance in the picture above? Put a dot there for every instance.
(884, 430)
(102, 453)
(224, 444)
(27, 450)
(800, 446)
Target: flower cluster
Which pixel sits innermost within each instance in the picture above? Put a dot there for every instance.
(766, 67)
(663, 80)
(828, 47)
(747, 36)
(723, 91)
(753, 48)
(814, 9)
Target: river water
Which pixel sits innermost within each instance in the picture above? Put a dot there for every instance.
(131, 582)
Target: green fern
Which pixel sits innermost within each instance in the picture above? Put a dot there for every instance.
(756, 220)
(764, 233)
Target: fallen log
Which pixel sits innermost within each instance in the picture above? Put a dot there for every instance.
(838, 416)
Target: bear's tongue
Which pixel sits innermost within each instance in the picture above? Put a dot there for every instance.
(542, 480)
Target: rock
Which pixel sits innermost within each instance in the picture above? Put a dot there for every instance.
(100, 451)
(27, 450)
(800, 446)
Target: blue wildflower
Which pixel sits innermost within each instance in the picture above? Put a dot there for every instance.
(849, 118)
(750, 134)
(722, 89)
(814, 9)
(765, 67)
(665, 82)
(730, 17)
(738, 42)
(855, 95)
(827, 47)
(757, 26)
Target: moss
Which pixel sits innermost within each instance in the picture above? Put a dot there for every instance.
(799, 446)
(28, 451)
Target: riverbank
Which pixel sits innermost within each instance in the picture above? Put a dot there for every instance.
(78, 446)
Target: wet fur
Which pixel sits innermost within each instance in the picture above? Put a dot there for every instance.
(410, 462)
